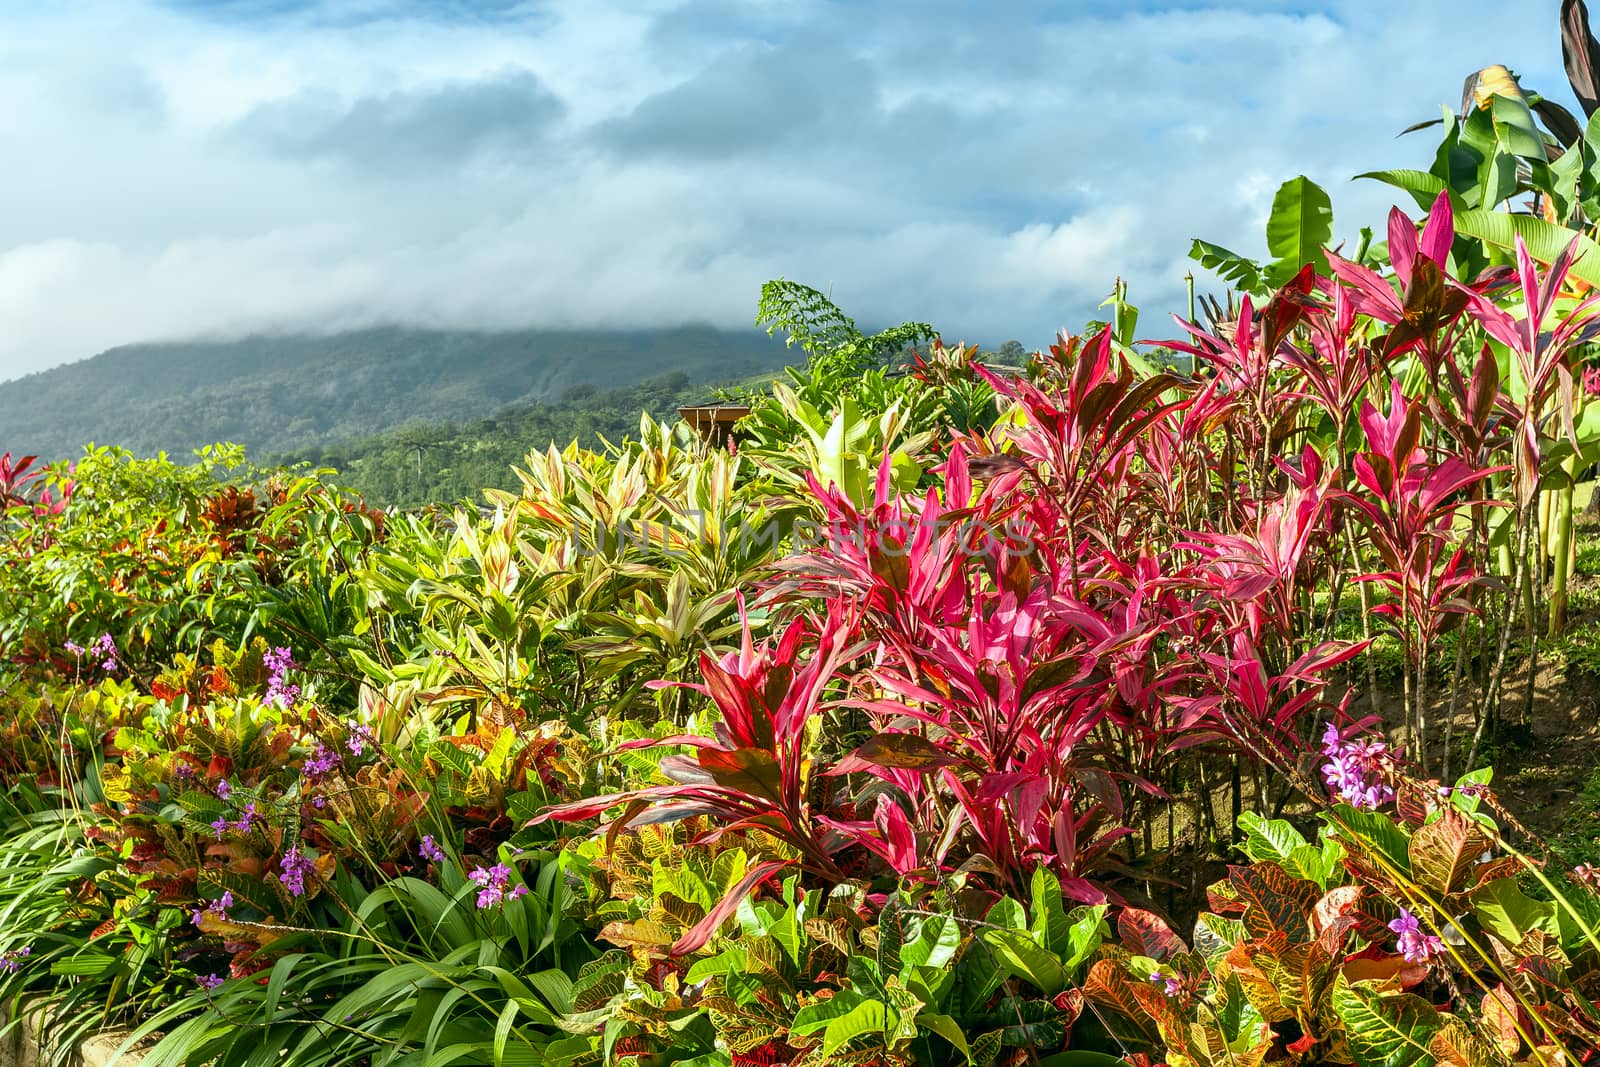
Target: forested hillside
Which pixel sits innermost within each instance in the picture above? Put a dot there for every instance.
(286, 393)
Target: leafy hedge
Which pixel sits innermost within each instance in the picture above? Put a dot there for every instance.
(891, 735)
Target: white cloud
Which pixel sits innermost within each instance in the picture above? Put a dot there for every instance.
(193, 169)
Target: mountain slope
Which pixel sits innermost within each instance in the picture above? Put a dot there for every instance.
(289, 393)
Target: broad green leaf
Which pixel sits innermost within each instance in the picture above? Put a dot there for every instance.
(1299, 228)
(1509, 914)
(1007, 913)
(1027, 959)
(1445, 852)
(814, 1017)
(1516, 129)
(1269, 839)
(947, 1028)
(1372, 832)
(1028, 1023)
(1048, 921)
(1577, 919)
(1392, 1031)
(867, 1018)
(1423, 186)
(1470, 801)
(1086, 931)
(1545, 241)
(935, 942)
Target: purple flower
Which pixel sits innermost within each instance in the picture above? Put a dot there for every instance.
(223, 788)
(208, 982)
(295, 865)
(430, 849)
(360, 737)
(103, 648)
(279, 662)
(492, 883)
(1354, 770)
(1414, 945)
(218, 907)
(1587, 874)
(11, 959)
(321, 763)
(1170, 984)
(246, 824)
(220, 826)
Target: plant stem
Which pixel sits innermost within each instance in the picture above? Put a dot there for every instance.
(1562, 548)
(1491, 691)
(1457, 681)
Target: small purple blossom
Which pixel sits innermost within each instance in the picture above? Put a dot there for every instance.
(223, 788)
(430, 849)
(11, 959)
(279, 662)
(103, 648)
(1414, 945)
(493, 883)
(218, 908)
(246, 824)
(1354, 770)
(208, 982)
(1587, 874)
(220, 826)
(295, 865)
(322, 762)
(1170, 984)
(360, 737)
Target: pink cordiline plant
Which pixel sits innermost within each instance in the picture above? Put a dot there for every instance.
(1409, 505)
(1083, 658)
(756, 771)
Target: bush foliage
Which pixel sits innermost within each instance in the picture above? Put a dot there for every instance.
(891, 734)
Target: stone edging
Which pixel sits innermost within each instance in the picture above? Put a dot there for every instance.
(24, 1046)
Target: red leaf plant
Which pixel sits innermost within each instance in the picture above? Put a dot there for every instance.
(755, 772)
(1409, 510)
(1543, 359)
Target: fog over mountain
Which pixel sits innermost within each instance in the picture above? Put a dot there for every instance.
(225, 167)
(277, 394)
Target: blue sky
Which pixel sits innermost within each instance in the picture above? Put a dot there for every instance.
(215, 167)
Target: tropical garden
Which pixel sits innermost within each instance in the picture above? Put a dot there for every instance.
(1138, 706)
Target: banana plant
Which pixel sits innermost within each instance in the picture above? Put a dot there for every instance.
(1299, 228)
